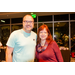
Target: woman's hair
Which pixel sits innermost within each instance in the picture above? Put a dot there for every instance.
(49, 38)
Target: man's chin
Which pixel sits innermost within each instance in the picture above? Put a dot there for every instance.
(28, 31)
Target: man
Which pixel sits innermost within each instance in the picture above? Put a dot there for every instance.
(22, 42)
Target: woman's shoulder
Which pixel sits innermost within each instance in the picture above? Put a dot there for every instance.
(53, 43)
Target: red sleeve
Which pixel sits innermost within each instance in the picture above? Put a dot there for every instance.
(57, 52)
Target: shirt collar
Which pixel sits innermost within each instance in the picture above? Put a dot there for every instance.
(26, 34)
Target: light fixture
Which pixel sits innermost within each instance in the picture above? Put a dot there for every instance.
(3, 21)
(57, 25)
(33, 15)
(61, 33)
(56, 29)
(58, 22)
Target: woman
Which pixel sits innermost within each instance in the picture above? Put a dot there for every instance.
(47, 50)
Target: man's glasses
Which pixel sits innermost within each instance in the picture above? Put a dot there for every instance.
(28, 21)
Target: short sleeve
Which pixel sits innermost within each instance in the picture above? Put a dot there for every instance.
(11, 41)
(36, 37)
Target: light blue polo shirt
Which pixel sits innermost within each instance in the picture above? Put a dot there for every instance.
(23, 44)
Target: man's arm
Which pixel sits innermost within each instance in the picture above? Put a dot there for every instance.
(9, 51)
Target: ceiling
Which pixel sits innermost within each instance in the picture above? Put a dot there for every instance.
(6, 15)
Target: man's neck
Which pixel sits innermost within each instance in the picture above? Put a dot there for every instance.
(27, 31)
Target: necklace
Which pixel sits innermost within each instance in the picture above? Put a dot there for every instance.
(42, 48)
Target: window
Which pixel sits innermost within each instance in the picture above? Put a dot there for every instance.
(35, 19)
(73, 36)
(4, 21)
(61, 17)
(16, 27)
(4, 34)
(16, 20)
(61, 33)
(72, 16)
(44, 18)
(35, 28)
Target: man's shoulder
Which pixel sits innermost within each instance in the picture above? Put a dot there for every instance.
(33, 33)
(16, 31)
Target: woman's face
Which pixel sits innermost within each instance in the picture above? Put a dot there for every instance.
(43, 34)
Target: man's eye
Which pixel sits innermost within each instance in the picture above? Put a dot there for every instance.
(25, 21)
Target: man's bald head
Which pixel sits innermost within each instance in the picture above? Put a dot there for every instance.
(28, 16)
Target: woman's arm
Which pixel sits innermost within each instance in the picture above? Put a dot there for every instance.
(57, 52)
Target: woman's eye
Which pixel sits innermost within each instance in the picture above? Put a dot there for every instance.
(40, 32)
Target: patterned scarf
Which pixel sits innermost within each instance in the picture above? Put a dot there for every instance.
(42, 48)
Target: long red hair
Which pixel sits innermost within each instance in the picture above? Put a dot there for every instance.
(49, 38)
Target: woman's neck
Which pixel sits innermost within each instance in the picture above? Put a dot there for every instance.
(43, 42)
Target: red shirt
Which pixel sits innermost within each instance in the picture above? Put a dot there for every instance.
(51, 54)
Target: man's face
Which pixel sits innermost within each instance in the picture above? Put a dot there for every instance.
(28, 23)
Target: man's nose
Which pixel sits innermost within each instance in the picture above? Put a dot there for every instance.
(28, 22)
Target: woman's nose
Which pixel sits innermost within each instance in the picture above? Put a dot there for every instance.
(43, 33)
